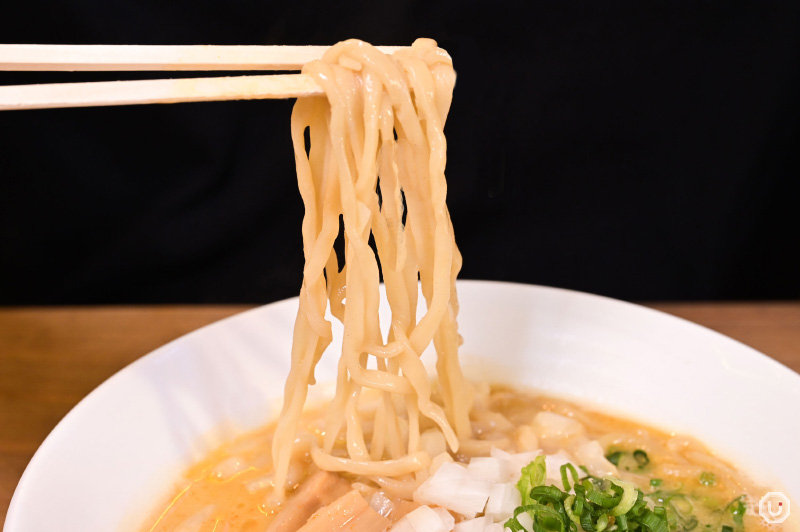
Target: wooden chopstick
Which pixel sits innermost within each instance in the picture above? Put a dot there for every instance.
(29, 57)
(138, 57)
(105, 93)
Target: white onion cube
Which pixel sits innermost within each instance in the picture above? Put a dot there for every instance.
(478, 524)
(447, 518)
(503, 500)
(552, 425)
(488, 468)
(381, 503)
(591, 455)
(514, 462)
(424, 519)
(451, 487)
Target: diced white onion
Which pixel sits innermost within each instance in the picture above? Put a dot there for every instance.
(552, 425)
(514, 462)
(403, 525)
(488, 468)
(424, 519)
(495, 527)
(381, 503)
(447, 518)
(503, 500)
(591, 455)
(438, 460)
(478, 524)
(451, 487)
(526, 438)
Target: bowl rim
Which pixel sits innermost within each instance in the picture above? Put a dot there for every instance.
(24, 484)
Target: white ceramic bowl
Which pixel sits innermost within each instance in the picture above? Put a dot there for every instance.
(118, 453)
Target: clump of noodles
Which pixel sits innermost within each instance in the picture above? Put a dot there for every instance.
(376, 158)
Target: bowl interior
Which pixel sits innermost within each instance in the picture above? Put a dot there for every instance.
(118, 453)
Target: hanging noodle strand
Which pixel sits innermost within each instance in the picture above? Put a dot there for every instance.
(376, 158)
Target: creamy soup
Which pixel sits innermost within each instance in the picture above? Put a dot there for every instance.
(231, 490)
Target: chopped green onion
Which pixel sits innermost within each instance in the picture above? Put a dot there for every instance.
(639, 505)
(533, 475)
(726, 528)
(602, 523)
(603, 499)
(708, 478)
(641, 457)
(655, 519)
(545, 518)
(573, 515)
(548, 520)
(691, 524)
(628, 499)
(681, 504)
(586, 522)
(614, 457)
(547, 492)
(514, 525)
(564, 480)
(655, 482)
(737, 509)
(597, 505)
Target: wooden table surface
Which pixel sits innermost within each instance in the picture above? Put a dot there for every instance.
(50, 358)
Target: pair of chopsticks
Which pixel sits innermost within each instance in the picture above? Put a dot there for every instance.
(35, 57)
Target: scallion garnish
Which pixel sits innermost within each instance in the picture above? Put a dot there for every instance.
(690, 524)
(708, 478)
(629, 461)
(737, 509)
(641, 457)
(564, 480)
(533, 475)
(629, 497)
(595, 506)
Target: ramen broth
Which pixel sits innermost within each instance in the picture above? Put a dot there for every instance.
(231, 489)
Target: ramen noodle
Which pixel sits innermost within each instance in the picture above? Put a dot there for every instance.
(376, 158)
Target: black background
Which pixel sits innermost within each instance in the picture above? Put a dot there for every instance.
(634, 149)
